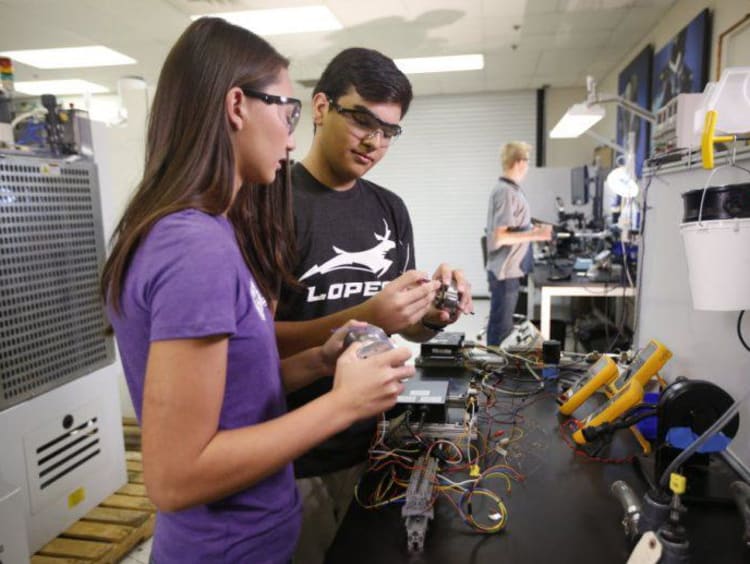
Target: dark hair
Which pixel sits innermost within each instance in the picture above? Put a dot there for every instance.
(270, 249)
(374, 76)
(189, 159)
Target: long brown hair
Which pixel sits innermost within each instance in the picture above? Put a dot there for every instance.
(269, 248)
(189, 159)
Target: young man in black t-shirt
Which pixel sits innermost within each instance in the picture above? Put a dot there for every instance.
(355, 261)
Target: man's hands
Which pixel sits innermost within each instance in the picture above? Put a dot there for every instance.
(408, 301)
(445, 275)
(403, 302)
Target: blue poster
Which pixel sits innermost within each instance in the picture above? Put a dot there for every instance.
(634, 84)
(682, 64)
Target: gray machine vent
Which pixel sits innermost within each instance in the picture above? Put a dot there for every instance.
(66, 452)
(51, 252)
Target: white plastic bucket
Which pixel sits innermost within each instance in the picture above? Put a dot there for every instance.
(718, 261)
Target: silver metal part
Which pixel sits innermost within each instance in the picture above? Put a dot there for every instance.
(741, 495)
(448, 298)
(418, 508)
(630, 504)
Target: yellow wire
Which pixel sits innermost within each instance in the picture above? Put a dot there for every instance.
(501, 507)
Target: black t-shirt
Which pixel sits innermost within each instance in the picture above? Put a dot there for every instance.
(350, 244)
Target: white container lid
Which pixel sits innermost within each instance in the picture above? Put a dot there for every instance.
(731, 100)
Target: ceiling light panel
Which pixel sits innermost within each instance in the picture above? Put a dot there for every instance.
(441, 64)
(578, 119)
(303, 19)
(70, 57)
(59, 87)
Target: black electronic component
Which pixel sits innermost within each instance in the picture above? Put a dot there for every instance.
(695, 404)
(5, 109)
(54, 128)
(551, 352)
(579, 185)
(423, 399)
(445, 345)
(438, 362)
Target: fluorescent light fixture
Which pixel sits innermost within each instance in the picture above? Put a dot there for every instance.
(576, 120)
(59, 87)
(440, 64)
(70, 57)
(282, 20)
(622, 183)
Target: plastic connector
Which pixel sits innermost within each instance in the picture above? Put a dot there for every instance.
(677, 483)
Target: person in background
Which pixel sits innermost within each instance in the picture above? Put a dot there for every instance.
(190, 289)
(356, 258)
(509, 236)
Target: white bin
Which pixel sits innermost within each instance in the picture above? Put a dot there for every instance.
(718, 260)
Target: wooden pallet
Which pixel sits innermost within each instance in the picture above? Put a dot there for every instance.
(131, 433)
(107, 533)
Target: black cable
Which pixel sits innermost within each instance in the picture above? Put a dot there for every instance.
(739, 330)
(409, 413)
(636, 409)
(642, 248)
(606, 429)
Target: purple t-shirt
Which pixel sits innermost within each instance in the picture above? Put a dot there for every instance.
(186, 280)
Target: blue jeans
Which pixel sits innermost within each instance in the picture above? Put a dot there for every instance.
(504, 297)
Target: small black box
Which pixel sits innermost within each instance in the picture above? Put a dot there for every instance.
(444, 345)
(422, 396)
(551, 352)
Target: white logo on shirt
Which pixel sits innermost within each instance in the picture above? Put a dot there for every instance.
(371, 260)
(258, 300)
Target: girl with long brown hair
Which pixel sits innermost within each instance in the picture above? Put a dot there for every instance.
(191, 283)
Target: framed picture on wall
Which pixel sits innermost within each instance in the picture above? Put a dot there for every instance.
(682, 64)
(634, 84)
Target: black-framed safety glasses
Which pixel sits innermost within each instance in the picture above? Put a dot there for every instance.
(293, 106)
(367, 124)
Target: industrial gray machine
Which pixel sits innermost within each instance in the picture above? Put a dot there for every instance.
(61, 446)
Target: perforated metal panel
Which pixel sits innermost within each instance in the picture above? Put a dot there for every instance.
(51, 253)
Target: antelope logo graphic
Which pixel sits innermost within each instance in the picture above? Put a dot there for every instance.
(371, 260)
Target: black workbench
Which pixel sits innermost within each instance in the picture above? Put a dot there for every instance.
(563, 512)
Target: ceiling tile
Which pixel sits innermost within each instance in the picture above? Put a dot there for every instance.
(557, 41)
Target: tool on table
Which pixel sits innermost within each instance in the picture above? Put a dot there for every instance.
(649, 360)
(601, 373)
